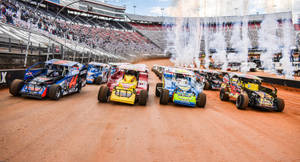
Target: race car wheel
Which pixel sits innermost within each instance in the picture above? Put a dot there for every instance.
(160, 76)
(157, 92)
(15, 87)
(103, 94)
(280, 105)
(55, 92)
(98, 80)
(79, 87)
(147, 88)
(242, 101)
(206, 86)
(223, 95)
(164, 97)
(143, 97)
(201, 100)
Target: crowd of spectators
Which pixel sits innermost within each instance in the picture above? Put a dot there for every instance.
(100, 35)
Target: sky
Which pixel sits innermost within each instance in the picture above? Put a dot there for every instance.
(143, 7)
(206, 7)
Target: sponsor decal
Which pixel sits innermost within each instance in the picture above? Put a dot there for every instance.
(55, 1)
(73, 81)
(3, 77)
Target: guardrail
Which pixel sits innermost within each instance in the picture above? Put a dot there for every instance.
(283, 82)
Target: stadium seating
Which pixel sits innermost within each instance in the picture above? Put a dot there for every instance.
(105, 35)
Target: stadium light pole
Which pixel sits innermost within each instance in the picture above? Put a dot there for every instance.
(134, 6)
(29, 34)
(65, 7)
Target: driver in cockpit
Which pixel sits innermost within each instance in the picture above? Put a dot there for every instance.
(53, 71)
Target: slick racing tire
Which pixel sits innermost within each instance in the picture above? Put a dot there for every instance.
(79, 87)
(164, 97)
(103, 94)
(223, 95)
(15, 87)
(242, 101)
(201, 100)
(280, 105)
(55, 92)
(143, 97)
(98, 80)
(157, 92)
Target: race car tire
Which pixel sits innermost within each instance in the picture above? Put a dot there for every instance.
(15, 87)
(242, 101)
(103, 94)
(98, 80)
(223, 95)
(201, 100)
(79, 87)
(55, 92)
(206, 86)
(280, 105)
(143, 97)
(148, 88)
(157, 92)
(164, 97)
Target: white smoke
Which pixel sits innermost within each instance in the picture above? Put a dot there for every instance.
(219, 44)
(245, 45)
(187, 30)
(288, 34)
(268, 41)
(186, 33)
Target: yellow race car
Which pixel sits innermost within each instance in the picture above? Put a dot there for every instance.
(129, 85)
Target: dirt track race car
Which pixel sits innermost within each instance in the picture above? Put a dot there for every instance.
(54, 79)
(180, 87)
(247, 90)
(213, 79)
(98, 73)
(158, 70)
(128, 85)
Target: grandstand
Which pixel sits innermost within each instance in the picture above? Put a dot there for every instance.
(105, 36)
(151, 27)
(95, 30)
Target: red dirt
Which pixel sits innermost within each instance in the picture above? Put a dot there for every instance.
(78, 128)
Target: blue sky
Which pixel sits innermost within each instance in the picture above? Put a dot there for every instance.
(153, 7)
(143, 7)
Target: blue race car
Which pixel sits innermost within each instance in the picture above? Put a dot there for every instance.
(98, 73)
(180, 87)
(54, 79)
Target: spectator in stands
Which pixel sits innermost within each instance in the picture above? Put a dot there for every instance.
(104, 36)
(3, 10)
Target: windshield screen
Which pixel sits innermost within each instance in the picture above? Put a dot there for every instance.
(93, 68)
(56, 70)
(254, 81)
(184, 79)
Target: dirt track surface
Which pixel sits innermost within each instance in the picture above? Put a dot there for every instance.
(78, 128)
